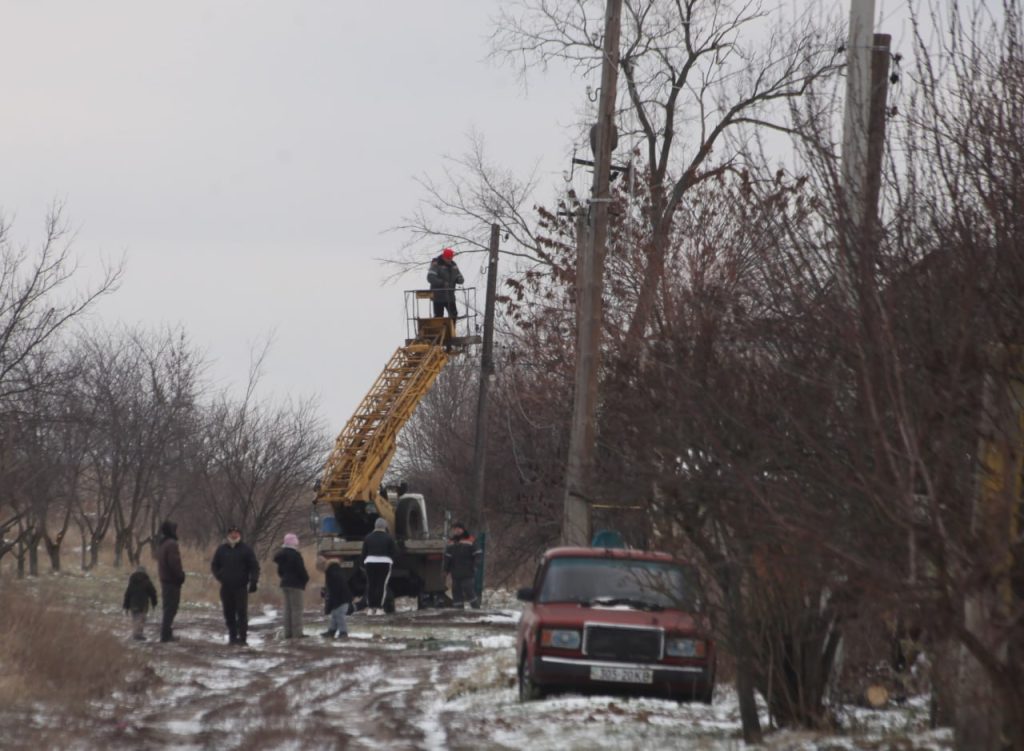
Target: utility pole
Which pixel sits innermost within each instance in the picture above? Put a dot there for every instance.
(590, 279)
(856, 129)
(476, 518)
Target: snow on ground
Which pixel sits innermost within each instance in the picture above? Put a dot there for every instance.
(412, 680)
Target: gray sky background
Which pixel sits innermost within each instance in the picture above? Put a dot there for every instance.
(247, 157)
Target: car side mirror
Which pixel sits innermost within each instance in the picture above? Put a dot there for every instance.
(526, 594)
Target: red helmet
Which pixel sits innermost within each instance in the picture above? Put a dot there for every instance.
(448, 254)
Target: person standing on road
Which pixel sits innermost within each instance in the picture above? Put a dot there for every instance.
(172, 577)
(235, 566)
(337, 598)
(138, 596)
(294, 578)
(443, 275)
(380, 551)
(461, 558)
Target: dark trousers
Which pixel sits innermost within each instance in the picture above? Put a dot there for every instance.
(439, 307)
(170, 594)
(236, 612)
(377, 575)
(463, 591)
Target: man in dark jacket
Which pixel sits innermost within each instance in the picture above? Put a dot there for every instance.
(172, 576)
(138, 596)
(294, 577)
(235, 566)
(443, 275)
(461, 558)
(380, 551)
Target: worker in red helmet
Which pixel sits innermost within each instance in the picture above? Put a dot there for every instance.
(444, 274)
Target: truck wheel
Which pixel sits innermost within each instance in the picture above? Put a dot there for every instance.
(409, 524)
(528, 690)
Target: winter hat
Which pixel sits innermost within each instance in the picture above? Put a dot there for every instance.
(380, 524)
(448, 254)
(291, 540)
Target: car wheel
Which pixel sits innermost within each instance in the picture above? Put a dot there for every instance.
(528, 690)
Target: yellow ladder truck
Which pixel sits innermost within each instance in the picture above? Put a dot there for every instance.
(350, 496)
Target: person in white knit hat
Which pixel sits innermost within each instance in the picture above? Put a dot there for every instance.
(380, 551)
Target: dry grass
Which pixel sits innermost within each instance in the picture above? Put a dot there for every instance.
(49, 653)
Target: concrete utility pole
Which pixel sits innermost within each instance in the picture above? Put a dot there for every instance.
(590, 281)
(476, 517)
(856, 130)
(857, 117)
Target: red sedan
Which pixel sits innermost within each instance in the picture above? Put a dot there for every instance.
(614, 621)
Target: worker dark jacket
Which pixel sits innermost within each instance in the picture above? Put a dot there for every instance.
(443, 276)
(140, 593)
(335, 583)
(461, 556)
(291, 568)
(235, 566)
(168, 557)
(380, 543)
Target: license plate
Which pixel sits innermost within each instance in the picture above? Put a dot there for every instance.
(621, 675)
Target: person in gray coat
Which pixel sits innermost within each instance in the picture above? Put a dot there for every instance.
(443, 275)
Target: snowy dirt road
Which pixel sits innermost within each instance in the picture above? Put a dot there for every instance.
(412, 680)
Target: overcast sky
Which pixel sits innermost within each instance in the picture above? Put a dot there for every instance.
(247, 157)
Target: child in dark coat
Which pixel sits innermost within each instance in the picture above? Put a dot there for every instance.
(138, 597)
(337, 598)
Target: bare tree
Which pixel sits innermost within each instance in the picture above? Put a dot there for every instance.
(257, 462)
(31, 284)
(695, 71)
(37, 302)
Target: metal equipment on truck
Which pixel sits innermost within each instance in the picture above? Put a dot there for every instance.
(350, 496)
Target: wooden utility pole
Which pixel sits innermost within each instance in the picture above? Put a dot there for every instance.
(476, 517)
(590, 280)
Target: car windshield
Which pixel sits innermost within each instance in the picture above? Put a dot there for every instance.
(619, 581)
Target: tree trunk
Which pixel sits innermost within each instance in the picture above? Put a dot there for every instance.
(94, 555)
(33, 556)
(53, 551)
(739, 637)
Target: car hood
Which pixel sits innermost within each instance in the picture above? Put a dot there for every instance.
(574, 614)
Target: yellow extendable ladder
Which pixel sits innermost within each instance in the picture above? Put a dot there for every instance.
(363, 450)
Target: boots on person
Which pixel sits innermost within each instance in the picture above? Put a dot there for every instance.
(328, 634)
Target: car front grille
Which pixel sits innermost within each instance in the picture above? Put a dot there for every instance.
(612, 643)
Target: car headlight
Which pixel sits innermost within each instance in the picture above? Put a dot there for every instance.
(685, 648)
(560, 638)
